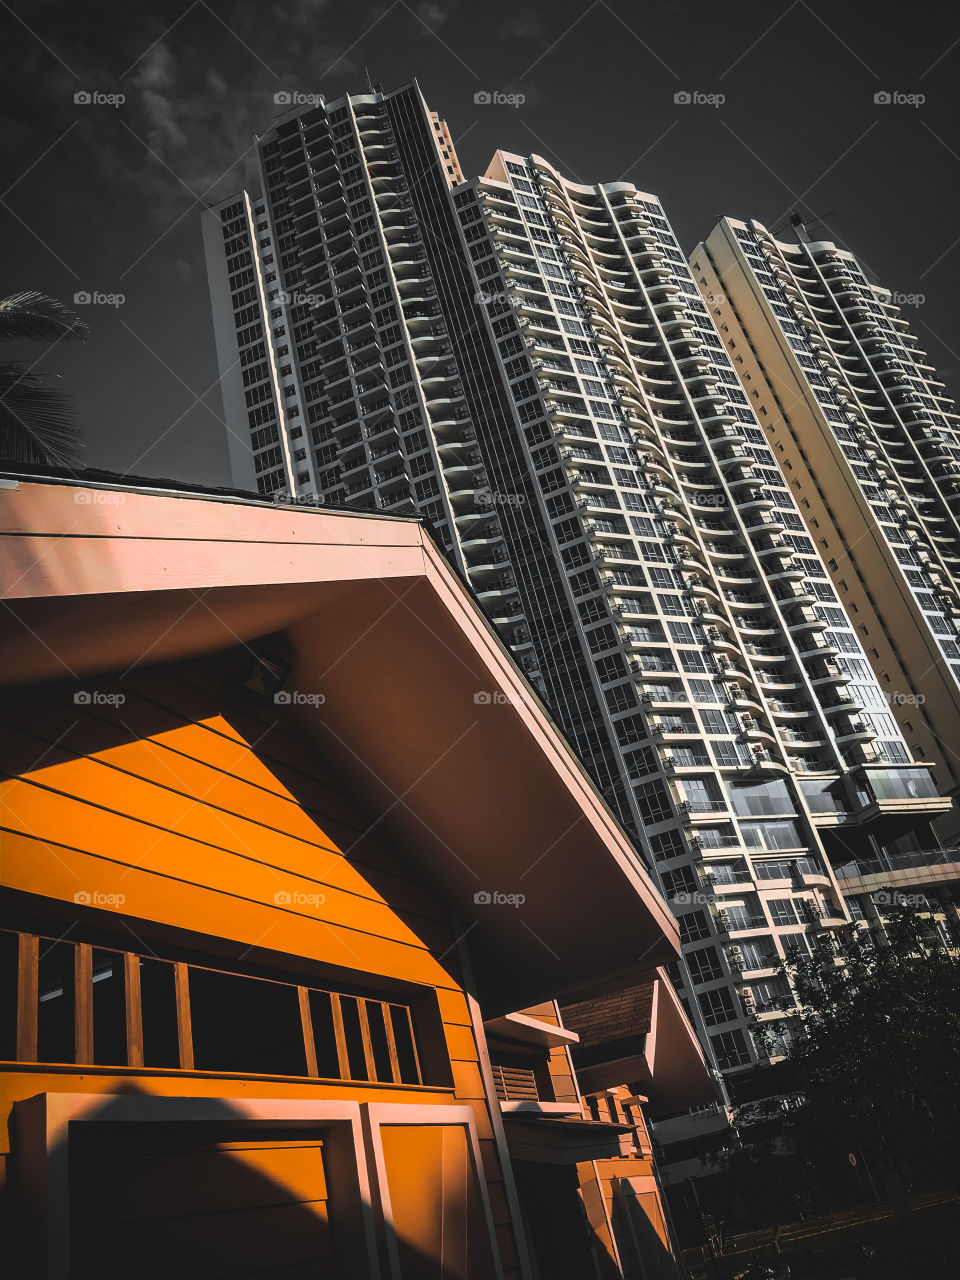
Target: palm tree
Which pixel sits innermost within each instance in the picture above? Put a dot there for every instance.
(36, 420)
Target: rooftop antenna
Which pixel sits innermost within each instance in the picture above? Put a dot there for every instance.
(803, 224)
(369, 81)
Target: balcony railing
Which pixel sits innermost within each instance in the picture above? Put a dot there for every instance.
(515, 1084)
(898, 862)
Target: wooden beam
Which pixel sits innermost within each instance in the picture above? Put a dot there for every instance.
(368, 1055)
(83, 1002)
(306, 1023)
(27, 997)
(343, 1057)
(184, 1028)
(132, 1011)
(391, 1043)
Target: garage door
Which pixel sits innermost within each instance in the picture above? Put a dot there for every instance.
(198, 1207)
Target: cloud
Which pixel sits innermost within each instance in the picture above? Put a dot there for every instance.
(523, 24)
(432, 15)
(197, 91)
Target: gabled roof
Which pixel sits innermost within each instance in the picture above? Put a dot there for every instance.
(434, 725)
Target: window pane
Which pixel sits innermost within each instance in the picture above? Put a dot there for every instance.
(109, 1015)
(245, 1024)
(55, 1040)
(158, 1004)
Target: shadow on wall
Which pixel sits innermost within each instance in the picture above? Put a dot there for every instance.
(210, 1198)
(182, 755)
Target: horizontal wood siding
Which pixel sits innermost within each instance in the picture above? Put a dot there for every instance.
(198, 809)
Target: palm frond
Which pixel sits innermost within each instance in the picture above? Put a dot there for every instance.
(36, 317)
(37, 421)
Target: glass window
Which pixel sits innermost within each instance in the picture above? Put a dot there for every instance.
(704, 965)
(717, 1006)
(783, 911)
(758, 798)
(693, 926)
(730, 1049)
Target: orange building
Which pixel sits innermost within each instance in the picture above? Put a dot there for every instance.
(287, 842)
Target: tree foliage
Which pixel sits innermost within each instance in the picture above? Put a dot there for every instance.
(877, 1060)
(37, 421)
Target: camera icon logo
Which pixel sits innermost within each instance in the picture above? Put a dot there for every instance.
(281, 899)
(82, 499)
(482, 699)
(682, 97)
(81, 698)
(482, 98)
(282, 699)
(82, 98)
(82, 299)
(82, 898)
(482, 898)
(882, 98)
(283, 98)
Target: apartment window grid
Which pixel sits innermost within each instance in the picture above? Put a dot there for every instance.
(578, 365)
(647, 791)
(841, 417)
(382, 467)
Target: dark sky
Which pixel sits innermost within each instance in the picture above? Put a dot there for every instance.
(104, 198)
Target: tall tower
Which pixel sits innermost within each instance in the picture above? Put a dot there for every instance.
(869, 440)
(528, 362)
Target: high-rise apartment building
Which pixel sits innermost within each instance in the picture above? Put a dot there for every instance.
(869, 443)
(528, 363)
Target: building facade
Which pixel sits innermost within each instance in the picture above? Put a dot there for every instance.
(258, 1019)
(529, 363)
(868, 438)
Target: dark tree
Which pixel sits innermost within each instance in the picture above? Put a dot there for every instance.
(37, 422)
